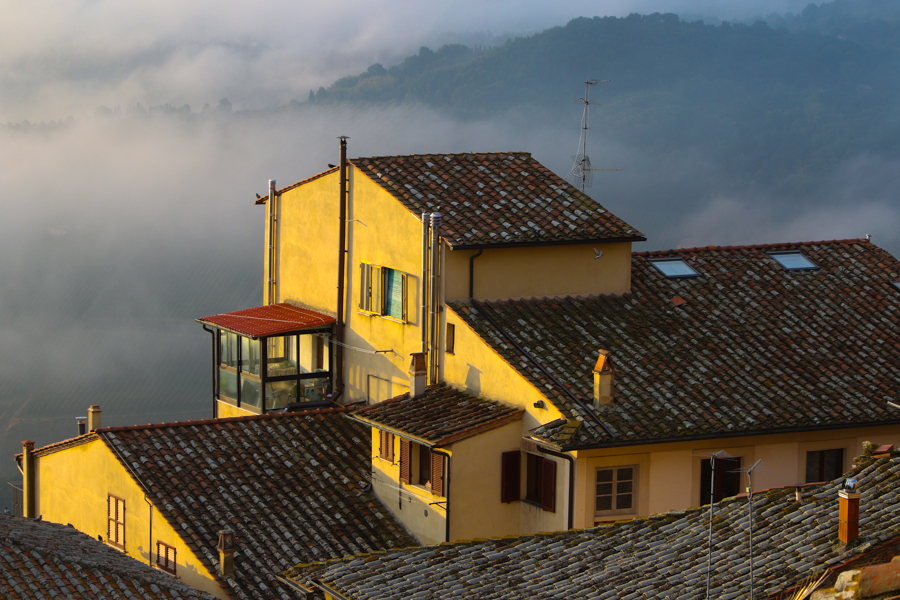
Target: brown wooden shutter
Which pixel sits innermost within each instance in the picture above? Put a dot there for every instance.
(405, 462)
(437, 474)
(548, 485)
(110, 518)
(510, 476)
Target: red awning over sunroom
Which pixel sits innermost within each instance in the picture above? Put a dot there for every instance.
(264, 321)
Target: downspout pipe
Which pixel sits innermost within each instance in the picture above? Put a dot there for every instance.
(215, 405)
(425, 224)
(342, 260)
(571, 502)
(472, 272)
(435, 296)
(447, 493)
(273, 217)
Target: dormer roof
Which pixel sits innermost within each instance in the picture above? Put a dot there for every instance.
(439, 417)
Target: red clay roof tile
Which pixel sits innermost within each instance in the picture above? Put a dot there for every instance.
(273, 319)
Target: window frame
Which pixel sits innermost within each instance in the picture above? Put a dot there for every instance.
(774, 254)
(450, 339)
(165, 564)
(656, 262)
(373, 292)
(113, 521)
(822, 458)
(634, 493)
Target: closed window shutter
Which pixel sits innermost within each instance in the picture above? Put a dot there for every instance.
(389, 439)
(548, 485)
(437, 474)
(405, 466)
(405, 284)
(111, 518)
(510, 476)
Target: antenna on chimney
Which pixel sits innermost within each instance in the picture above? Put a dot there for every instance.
(581, 170)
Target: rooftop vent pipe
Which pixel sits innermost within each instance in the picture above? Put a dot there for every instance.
(273, 219)
(604, 374)
(226, 552)
(435, 296)
(93, 420)
(848, 509)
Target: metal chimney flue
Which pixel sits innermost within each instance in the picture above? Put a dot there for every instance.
(82, 425)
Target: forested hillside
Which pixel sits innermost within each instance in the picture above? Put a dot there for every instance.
(779, 104)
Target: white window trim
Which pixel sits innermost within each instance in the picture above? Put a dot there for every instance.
(636, 475)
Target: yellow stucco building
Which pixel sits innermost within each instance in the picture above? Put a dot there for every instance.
(508, 284)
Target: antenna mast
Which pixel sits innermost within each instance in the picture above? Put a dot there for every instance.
(581, 170)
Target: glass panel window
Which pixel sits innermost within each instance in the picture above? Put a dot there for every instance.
(824, 465)
(793, 261)
(424, 465)
(313, 353)
(393, 293)
(228, 383)
(281, 355)
(280, 393)
(674, 267)
(250, 355)
(616, 489)
(251, 392)
(228, 348)
(312, 390)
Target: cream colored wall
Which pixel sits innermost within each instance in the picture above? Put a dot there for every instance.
(477, 368)
(670, 473)
(475, 507)
(73, 485)
(411, 504)
(540, 271)
(533, 518)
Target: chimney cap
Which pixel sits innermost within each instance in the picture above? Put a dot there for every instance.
(417, 365)
(94, 408)
(28, 444)
(226, 540)
(604, 362)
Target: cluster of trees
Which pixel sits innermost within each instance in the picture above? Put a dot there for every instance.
(784, 99)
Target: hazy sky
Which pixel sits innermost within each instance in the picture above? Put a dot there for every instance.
(64, 57)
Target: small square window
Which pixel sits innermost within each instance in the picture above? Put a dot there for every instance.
(674, 267)
(793, 261)
(616, 490)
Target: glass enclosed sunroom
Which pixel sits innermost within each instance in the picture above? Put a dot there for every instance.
(268, 357)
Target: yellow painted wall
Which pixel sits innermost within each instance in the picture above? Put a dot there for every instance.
(73, 485)
(534, 519)
(540, 271)
(670, 473)
(475, 509)
(225, 410)
(477, 368)
(411, 504)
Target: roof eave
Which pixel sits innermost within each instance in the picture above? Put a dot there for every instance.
(487, 246)
(718, 435)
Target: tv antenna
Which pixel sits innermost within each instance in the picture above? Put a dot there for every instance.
(712, 508)
(581, 169)
(750, 514)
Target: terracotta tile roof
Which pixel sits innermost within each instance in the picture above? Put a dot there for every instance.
(491, 199)
(48, 560)
(292, 486)
(273, 319)
(440, 416)
(656, 557)
(753, 348)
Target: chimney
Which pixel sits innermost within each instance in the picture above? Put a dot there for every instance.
(226, 553)
(28, 479)
(417, 373)
(93, 418)
(82, 425)
(848, 502)
(604, 372)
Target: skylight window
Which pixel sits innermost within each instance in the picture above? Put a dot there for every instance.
(896, 284)
(674, 267)
(793, 260)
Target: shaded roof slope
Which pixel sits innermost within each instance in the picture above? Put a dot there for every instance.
(292, 486)
(753, 348)
(442, 415)
(492, 199)
(48, 560)
(656, 557)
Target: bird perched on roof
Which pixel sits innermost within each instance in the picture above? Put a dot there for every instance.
(40, 518)
(6, 510)
(597, 253)
(258, 196)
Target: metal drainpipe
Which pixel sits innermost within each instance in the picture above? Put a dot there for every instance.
(425, 217)
(215, 404)
(150, 542)
(435, 296)
(472, 272)
(447, 493)
(272, 227)
(342, 259)
(571, 460)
